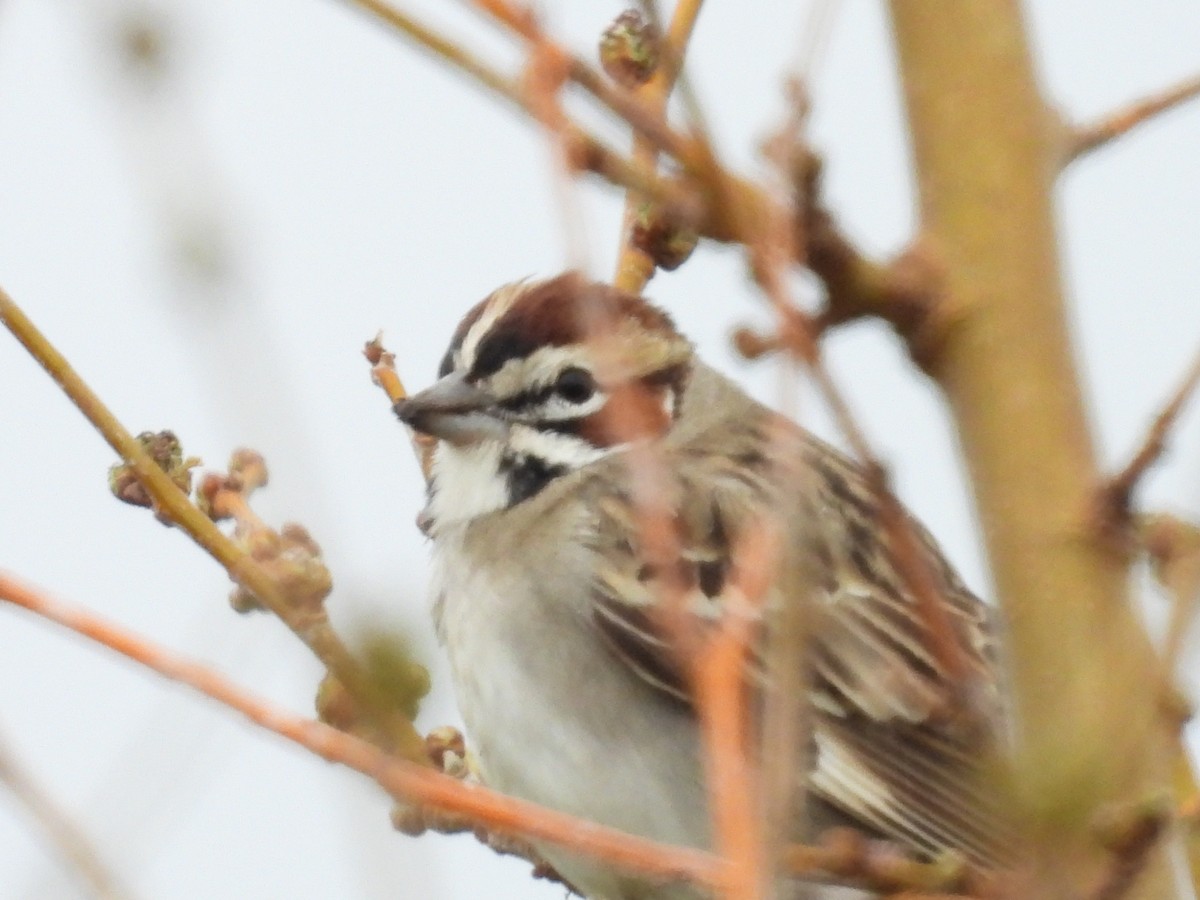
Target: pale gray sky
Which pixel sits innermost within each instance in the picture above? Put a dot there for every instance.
(349, 183)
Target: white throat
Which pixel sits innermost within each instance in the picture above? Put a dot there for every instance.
(473, 481)
(466, 483)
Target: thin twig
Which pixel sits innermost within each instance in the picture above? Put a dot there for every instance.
(384, 374)
(545, 77)
(314, 631)
(845, 855)
(70, 841)
(734, 205)
(587, 152)
(720, 687)
(728, 212)
(403, 780)
(639, 115)
(634, 267)
(1116, 495)
(798, 333)
(1173, 547)
(902, 291)
(495, 812)
(415, 821)
(1086, 138)
(442, 47)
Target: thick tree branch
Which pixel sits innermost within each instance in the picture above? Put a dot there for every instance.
(1083, 139)
(1081, 662)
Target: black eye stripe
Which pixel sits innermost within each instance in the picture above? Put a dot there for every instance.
(536, 397)
(527, 399)
(570, 427)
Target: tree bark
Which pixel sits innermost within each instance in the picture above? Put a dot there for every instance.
(987, 151)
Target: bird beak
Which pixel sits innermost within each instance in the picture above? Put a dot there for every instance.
(454, 411)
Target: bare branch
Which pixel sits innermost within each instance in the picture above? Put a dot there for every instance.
(902, 291)
(1130, 841)
(415, 821)
(402, 779)
(717, 676)
(635, 267)
(72, 844)
(1173, 547)
(587, 152)
(842, 859)
(640, 116)
(845, 854)
(727, 208)
(1116, 495)
(1083, 139)
(442, 47)
(384, 374)
(172, 502)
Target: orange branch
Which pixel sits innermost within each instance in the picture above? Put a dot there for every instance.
(172, 502)
(732, 789)
(720, 687)
(640, 116)
(384, 374)
(497, 813)
(1086, 138)
(401, 779)
(588, 153)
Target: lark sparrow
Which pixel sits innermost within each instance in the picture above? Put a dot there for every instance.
(545, 592)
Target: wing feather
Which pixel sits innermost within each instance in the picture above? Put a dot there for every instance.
(892, 752)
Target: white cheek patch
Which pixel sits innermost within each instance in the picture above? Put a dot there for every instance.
(467, 482)
(555, 449)
(473, 481)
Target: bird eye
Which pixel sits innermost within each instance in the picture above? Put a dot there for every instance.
(575, 385)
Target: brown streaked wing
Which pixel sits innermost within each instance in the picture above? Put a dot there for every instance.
(895, 758)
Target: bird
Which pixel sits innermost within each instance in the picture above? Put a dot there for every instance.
(569, 419)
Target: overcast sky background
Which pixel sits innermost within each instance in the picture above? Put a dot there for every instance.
(331, 180)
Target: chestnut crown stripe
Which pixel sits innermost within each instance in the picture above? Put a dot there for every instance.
(561, 312)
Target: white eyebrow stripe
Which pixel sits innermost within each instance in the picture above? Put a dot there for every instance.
(499, 303)
(538, 370)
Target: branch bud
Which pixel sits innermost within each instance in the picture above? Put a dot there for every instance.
(629, 49)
